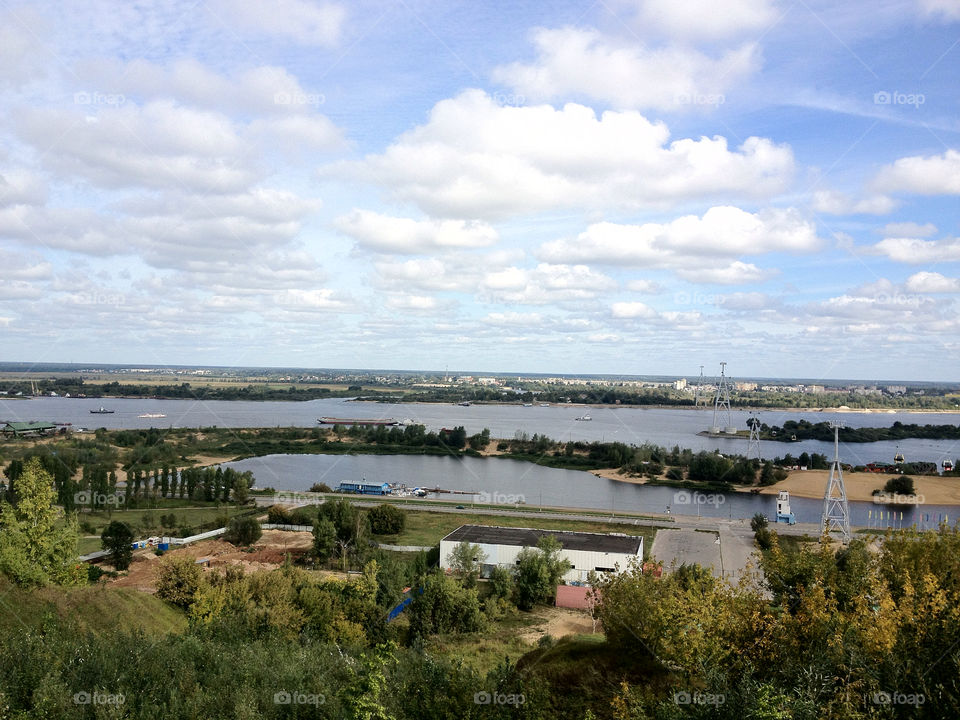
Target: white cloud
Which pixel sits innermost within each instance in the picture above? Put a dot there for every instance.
(645, 287)
(631, 310)
(385, 233)
(700, 19)
(545, 284)
(908, 229)
(736, 273)
(833, 202)
(915, 250)
(296, 134)
(947, 9)
(930, 175)
(156, 146)
(18, 187)
(476, 159)
(307, 23)
(932, 282)
(690, 244)
(412, 303)
(23, 57)
(585, 63)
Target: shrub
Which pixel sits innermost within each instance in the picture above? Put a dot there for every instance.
(178, 580)
(758, 521)
(901, 485)
(278, 515)
(675, 473)
(243, 531)
(764, 538)
(320, 488)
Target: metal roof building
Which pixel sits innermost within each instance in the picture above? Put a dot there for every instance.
(584, 552)
(19, 429)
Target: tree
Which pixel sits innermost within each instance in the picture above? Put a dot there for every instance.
(33, 550)
(758, 521)
(901, 485)
(178, 579)
(117, 537)
(444, 606)
(387, 520)
(243, 531)
(324, 539)
(537, 573)
(466, 560)
(320, 488)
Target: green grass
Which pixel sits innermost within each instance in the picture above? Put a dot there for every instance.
(189, 516)
(428, 528)
(94, 608)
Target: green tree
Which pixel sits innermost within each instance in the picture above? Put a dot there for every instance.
(444, 606)
(33, 550)
(901, 485)
(466, 561)
(537, 573)
(243, 531)
(387, 519)
(117, 537)
(324, 539)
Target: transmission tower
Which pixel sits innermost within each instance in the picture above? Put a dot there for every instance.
(836, 513)
(697, 393)
(753, 446)
(721, 403)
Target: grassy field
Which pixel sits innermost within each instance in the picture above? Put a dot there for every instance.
(428, 528)
(94, 608)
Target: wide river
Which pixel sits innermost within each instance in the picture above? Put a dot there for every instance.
(513, 483)
(634, 425)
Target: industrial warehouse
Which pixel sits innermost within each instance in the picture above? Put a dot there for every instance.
(585, 552)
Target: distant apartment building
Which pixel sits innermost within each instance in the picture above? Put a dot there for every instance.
(896, 389)
(745, 386)
(680, 384)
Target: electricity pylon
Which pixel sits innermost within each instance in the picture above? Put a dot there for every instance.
(836, 513)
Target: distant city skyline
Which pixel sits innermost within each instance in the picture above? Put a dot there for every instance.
(631, 187)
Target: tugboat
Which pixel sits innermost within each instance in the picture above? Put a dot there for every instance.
(585, 418)
(102, 411)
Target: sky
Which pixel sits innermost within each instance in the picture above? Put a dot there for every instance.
(623, 186)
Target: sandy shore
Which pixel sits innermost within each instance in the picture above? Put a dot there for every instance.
(935, 490)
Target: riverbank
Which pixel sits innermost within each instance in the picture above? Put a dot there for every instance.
(934, 489)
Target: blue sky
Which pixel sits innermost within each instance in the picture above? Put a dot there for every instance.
(629, 187)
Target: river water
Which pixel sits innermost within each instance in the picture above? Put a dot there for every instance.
(632, 425)
(513, 483)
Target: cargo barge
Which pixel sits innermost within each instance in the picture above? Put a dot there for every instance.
(355, 421)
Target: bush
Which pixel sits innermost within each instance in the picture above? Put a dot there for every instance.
(675, 473)
(88, 528)
(243, 531)
(320, 488)
(764, 538)
(387, 520)
(94, 573)
(178, 580)
(278, 515)
(901, 485)
(758, 521)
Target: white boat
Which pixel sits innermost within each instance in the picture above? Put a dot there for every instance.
(152, 415)
(585, 418)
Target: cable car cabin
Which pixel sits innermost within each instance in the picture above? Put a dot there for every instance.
(898, 459)
(364, 488)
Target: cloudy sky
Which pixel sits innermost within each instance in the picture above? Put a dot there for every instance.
(623, 186)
